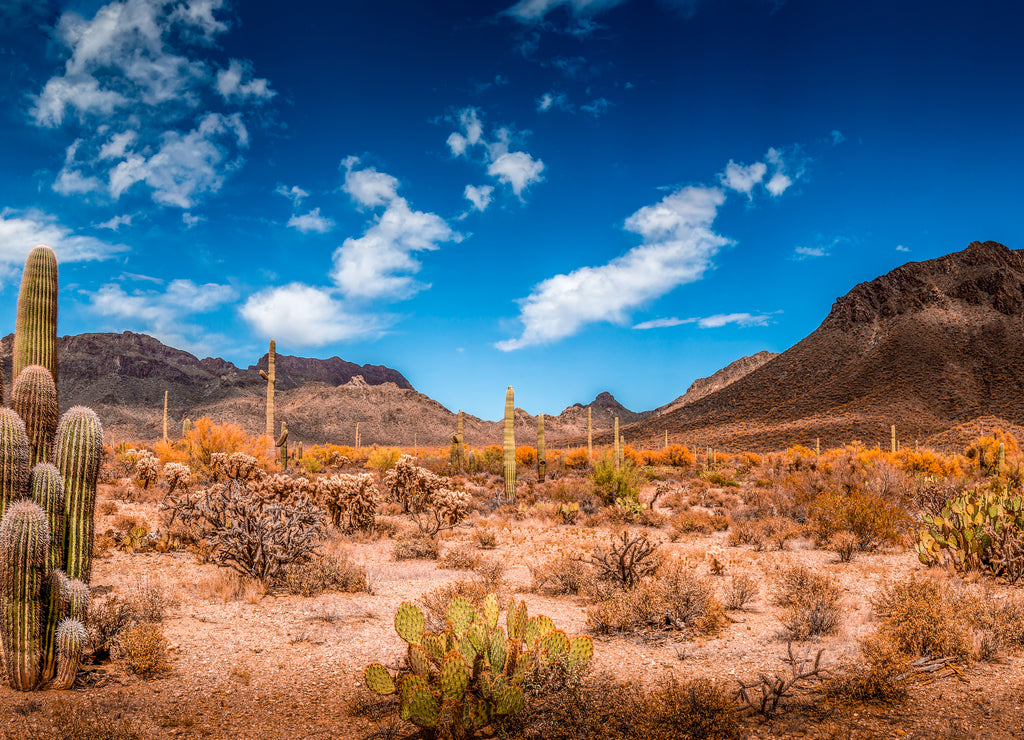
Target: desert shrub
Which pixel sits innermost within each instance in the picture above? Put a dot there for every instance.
(742, 590)
(107, 507)
(917, 619)
(243, 527)
(879, 675)
(206, 438)
(717, 479)
(576, 458)
(810, 602)
(99, 719)
(984, 451)
(491, 572)
(563, 575)
(770, 533)
(874, 520)
(695, 710)
(626, 559)
(110, 615)
(142, 648)
(436, 601)
(459, 558)
(843, 544)
(997, 621)
(383, 459)
(686, 522)
(323, 574)
(485, 538)
(675, 599)
(526, 456)
(415, 548)
(611, 485)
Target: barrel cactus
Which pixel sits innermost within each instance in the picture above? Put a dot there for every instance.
(34, 399)
(24, 546)
(77, 454)
(14, 458)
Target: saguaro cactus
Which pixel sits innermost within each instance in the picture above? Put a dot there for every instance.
(510, 446)
(14, 458)
(165, 416)
(590, 437)
(462, 442)
(35, 333)
(24, 544)
(271, 377)
(618, 448)
(34, 399)
(186, 426)
(892, 442)
(282, 442)
(77, 454)
(542, 463)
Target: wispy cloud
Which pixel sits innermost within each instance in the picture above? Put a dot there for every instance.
(837, 137)
(709, 322)
(820, 247)
(553, 101)
(901, 248)
(137, 93)
(596, 108)
(165, 313)
(678, 245)
(516, 168)
(533, 11)
(295, 194)
(116, 222)
(311, 222)
(22, 230)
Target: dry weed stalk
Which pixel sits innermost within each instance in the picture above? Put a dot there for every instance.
(775, 687)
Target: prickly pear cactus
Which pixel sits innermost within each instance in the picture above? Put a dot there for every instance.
(961, 535)
(472, 672)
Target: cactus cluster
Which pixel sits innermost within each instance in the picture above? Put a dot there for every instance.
(967, 532)
(510, 446)
(472, 672)
(48, 475)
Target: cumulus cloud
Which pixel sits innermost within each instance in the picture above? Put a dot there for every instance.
(837, 137)
(311, 222)
(22, 230)
(307, 315)
(479, 196)
(516, 168)
(136, 91)
(165, 313)
(677, 247)
(743, 178)
(785, 167)
(901, 248)
(367, 186)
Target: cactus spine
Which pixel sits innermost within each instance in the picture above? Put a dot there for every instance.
(271, 377)
(34, 399)
(77, 455)
(618, 449)
(24, 544)
(542, 463)
(14, 458)
(35, 333)
(510, 446)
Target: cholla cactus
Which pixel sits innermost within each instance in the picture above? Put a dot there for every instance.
(351, 500)
(433, 505)
(234, 466)
(176, 476)
(472, 672)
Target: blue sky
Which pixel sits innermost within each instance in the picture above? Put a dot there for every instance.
(566, 196)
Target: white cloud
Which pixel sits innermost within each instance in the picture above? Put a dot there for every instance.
(189, 220)
(311, 222)
(804, 252)
(709, 322)
(821, 247)
(837, 137)
(678, 245)
(532, 11)
(781, 180)
(116, 222)
(367, 186)
(231, 87)
(743, 178)
(479, 196)
(517, 169)
(307, 315)
(163, 314)
(596, 108)
(295, 194)
(22, 230)
(136, 90)
(901, 248)
(553, 101)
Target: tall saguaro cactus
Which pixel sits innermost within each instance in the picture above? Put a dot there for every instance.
(462, 443)
(271, 377)
(35, 333)
(542, 463)
(892, 441)
(510, 446)
(165, 416)
(77, 454)
(618, 447)
(590, 437)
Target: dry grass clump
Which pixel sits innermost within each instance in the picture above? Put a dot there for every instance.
(810, 601)
(918, 619)
(843, 544)
(770, 533)
(416, 548)
(109, 616)
(997, 621)
(673, 599)
(563, 575)
(879, 676)
(97, 720)
(435, 602)
(742, 590)
(228, 585)
(691, 709)
(142, 648)
(484, 538)
(459, 558)
(699, 522)
(326, 573)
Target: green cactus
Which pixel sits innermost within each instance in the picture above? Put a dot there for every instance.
(35, 332)
(510, 446)
(474, 673)
(186, 426)
(34, 399)
(618, 449)
(961, 534)
(77, 453)
(165, 416)
(462, 442)
(71, 638)
(542, 463)
(24, 544)
(14, 458)
(47, 490)
(271, 377)
(590, 436)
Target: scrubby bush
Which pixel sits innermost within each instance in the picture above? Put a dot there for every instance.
(383, 459)
(415, 548)
(810, 602)
(874, 520)
(742, 590)
(692, 710)
(142, 648)
(563, 575)
(611, 485)
(918, 620)
(326, 574)
(770, 533)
